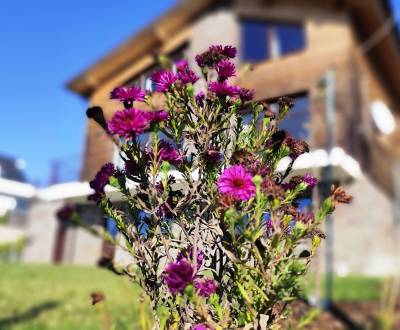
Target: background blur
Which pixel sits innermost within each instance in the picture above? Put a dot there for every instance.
(338, 59)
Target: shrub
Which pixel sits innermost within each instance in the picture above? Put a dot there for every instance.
(213, 227)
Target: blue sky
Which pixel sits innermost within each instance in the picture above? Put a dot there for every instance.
(44, 43)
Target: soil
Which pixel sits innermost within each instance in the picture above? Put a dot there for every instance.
(345, 316)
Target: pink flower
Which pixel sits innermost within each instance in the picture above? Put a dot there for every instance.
(225, 70)
(178, 276)
(163, 80)
(223, 89)
(133, 93)
(205, 287)
(130, 122)
(236, 182)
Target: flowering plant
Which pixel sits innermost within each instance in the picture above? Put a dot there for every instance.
(212, 226)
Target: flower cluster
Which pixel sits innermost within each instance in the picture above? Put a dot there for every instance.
(212, 224)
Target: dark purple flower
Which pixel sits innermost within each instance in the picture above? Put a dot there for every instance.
(213, 155)
(225, 70)
(199, 98)
(246, 94)
(158, 116)
(188, 254)
(130, 122)
(199, 60)
(187, 76)
(65, 213)
(230, 51)
(205, 287)
(178, 276)
(133, 93)
(310, 180)
(166, 152)
(102, 177)
(163, 80)
(223, 89)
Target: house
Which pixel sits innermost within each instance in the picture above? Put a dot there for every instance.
(329, 55)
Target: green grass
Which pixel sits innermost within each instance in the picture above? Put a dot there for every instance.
(58, 297)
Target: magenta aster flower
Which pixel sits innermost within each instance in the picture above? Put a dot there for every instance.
(187, 76)
(133, 93)
(200, 327)
(223, 89)
(236, 182)
(246, 94)
(309, 180)
(102, 177)
(163, 80)
(130, 122)
(178, 276)
(158, 116)
(225, 70)
(205, 287)
(181, 65)
(166, 152)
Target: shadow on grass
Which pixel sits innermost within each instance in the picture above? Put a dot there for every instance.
(28, 315)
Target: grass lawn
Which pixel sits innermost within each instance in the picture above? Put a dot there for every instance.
(58, 297)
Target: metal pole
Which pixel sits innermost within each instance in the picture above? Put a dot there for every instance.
(327, 176)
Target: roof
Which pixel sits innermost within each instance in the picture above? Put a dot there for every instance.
(10, 169)
(368, 17)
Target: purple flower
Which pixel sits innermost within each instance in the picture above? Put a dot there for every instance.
(166, 152)
(205, 287)
(101, 178)
(225, 70)
(236, 182)
(199, 60)
(130, 122)
(178, 276)
(222, 89)
(310, 180)
(158, 116)
(188, 254)
(230, 51)
(199, 98)
(246, 94)
(163, 80)
(187, 76)
(181, 65)
(133, 93)
(200, 327)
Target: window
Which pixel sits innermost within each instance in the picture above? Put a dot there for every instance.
(298, 118)
(262, 40)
